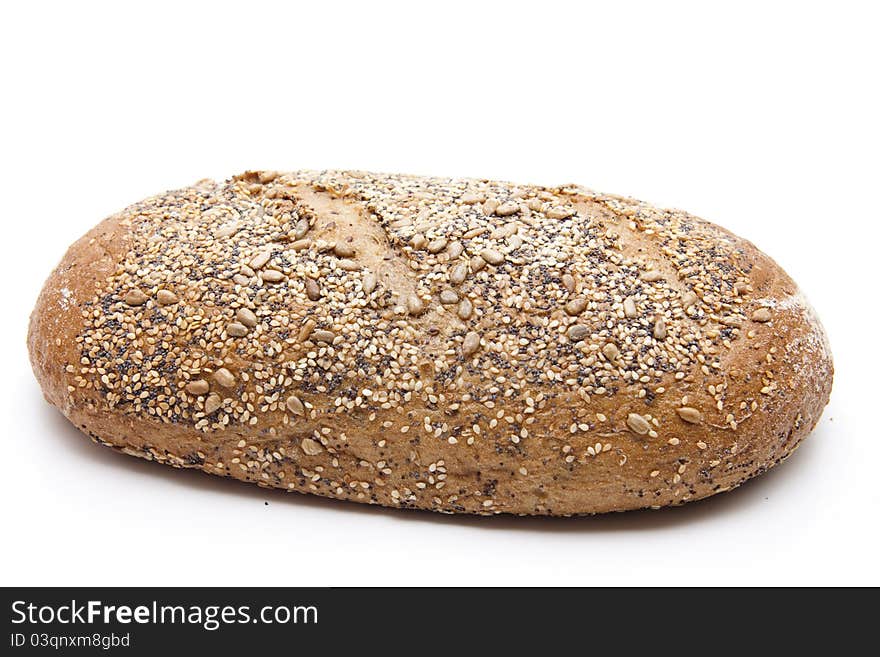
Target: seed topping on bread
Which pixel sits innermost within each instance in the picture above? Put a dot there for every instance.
(433, 309)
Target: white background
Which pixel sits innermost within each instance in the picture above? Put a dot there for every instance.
(762, 117)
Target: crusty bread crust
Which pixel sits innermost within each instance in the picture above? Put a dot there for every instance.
(461, 346)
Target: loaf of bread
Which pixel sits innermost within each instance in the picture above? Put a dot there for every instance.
(458, 345)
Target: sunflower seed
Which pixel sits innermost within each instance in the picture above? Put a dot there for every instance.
(689, 414)
(688, 299)
(471, 343)
(311, 447)
(414, 305)
(492, 256)
(455, 249)
(448, 297)
(301, 228)
(458, 273)
(489, 206)
(534, 204)
(246, 317)
(477, 263)
(295, 406)
(166, 297)
(469, 198)
(236, 330)
(260, 260)
(568, 282)
(652, 276)
(660, 329)
(576, 306)
(348, 265)
(272, 276)
(241, 279)
(313, 291)
(577, 332)
(227, 231)
(224, 377)
(559, 212)
(418, 241)
(197, 387)
(611, 351)
(504, 231)
(762, 315)
(322, 335)
(306, 331)
(300, 245)
(474, 232)
(629, 308)
(436, 246)
(369, 282)
(638, 424)
(343, 250)
(506, 209)
(212, 403)
(136, 298)
(465, 308)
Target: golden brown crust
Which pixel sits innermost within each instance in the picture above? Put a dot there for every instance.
(488, 348)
